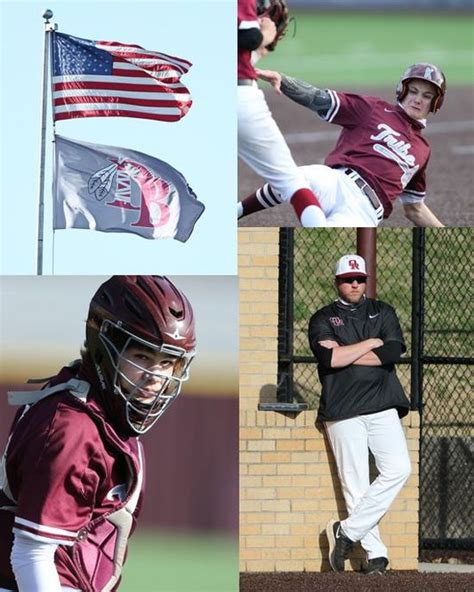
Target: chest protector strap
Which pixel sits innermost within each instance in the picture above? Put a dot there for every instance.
(123, 520)
(78, 388)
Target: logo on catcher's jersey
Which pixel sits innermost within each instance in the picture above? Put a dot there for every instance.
(397, 150)
(118, 492)
(336, 321)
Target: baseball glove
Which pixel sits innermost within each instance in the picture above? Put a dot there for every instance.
(277, 11)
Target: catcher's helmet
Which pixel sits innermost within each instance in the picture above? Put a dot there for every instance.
(428, 72)
(144, 313)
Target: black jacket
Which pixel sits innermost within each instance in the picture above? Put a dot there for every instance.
(358, 390)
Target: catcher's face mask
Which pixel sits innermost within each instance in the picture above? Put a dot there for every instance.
(147, 377)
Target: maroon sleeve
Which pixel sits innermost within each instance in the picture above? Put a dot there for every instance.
(59, 472)
(347, 109)
(247, 11)
(417, 184)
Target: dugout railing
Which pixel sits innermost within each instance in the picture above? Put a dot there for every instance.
(426, 275)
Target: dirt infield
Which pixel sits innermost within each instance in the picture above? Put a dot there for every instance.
(450, 172)
(392, 581)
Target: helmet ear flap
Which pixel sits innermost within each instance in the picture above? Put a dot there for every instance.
(402, 90)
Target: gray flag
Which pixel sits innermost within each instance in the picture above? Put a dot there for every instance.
(118, 190)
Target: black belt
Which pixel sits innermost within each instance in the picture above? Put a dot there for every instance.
(365, 188)
(245, 82)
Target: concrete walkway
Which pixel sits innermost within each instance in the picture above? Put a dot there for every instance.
(446, 567)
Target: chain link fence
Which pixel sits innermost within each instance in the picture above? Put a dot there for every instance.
(424, 275)
(447, 445)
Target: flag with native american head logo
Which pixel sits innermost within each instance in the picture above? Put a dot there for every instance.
(118, 190)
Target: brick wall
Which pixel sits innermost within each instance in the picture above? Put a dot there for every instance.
(288, 483)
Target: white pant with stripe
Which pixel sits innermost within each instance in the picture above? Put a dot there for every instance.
(261, 144)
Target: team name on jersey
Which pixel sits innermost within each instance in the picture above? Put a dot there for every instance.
(396, 150)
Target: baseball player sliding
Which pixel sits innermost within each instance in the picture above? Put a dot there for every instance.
(380, 155)
(260, 143)
(357, 342)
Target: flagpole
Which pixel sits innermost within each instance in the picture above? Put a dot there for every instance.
(48, 27)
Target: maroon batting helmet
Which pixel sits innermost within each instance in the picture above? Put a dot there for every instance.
(144, 313)
(428, 72)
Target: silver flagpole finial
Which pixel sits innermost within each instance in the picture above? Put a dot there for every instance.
(47, 14)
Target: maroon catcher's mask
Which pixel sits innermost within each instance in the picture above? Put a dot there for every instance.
(148, 314)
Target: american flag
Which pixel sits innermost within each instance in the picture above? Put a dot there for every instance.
(111, 79)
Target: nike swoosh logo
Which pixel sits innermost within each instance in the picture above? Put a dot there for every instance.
(373, 316)
(389, 110)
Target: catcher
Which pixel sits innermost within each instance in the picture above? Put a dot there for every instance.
(261, 145)
(72, 473)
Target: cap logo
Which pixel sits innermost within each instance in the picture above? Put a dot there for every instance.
(353, 264)
(428, 72)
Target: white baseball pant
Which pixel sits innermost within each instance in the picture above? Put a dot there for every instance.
(366, 502)
(261, 144)
(343, 202)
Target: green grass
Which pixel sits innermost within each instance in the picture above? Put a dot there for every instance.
(170, 562)
(373, 49)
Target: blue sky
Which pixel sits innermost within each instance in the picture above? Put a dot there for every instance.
(202, 146)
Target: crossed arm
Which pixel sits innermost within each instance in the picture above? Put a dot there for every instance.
(359, 354)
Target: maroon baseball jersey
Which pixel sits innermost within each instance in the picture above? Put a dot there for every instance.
(382, 143)
(71, 480)
(246, 19)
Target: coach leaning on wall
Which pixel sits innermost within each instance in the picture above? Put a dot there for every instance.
(357, 341)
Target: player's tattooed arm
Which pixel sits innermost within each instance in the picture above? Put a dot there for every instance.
(306, 94)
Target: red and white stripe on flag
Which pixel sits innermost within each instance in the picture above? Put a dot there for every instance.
(111, 79)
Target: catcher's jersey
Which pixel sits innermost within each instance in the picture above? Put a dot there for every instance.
(382, 143)
(357, 390)
(246, 19)
(67, 475)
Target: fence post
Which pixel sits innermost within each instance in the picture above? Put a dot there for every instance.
(367, 248)
(285, 311)
(417, 319)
